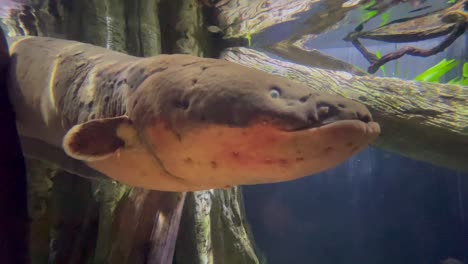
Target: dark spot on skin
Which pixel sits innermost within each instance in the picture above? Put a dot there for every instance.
(214, 165)
(305, 98)
(179, 137)
(194, 81)
(299, 159)
(328, 149)
(235, 154)
(188, 160)
(283, 161)
(182, 104)
(106, 99)
(342, 105)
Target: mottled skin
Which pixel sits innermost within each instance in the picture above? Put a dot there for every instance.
(175, 122)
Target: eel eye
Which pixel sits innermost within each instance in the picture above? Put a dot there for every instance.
(275, 93)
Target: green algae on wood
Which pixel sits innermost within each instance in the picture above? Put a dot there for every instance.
(311, 58)
(241, 18)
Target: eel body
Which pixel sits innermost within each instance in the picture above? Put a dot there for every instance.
(175, 122)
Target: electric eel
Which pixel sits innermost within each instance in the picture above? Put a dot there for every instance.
(175, 122)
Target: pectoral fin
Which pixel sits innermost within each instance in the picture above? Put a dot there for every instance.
(98, 139)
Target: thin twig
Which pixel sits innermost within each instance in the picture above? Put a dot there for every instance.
(457, 31)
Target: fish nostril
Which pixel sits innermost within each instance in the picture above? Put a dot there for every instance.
(326, 110)
(366, 118)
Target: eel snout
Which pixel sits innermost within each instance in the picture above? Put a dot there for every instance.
(324, 109)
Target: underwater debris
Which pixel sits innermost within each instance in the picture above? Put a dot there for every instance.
(451, 21)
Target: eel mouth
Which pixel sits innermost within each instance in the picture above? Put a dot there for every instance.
(361, 132)
(351, 126)
(361, 122)
(321, 113)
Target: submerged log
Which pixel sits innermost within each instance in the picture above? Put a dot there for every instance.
(144, 230)
(240, 18)
(214, 230)
(243, 19)
(311, 58)
(424, 121)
